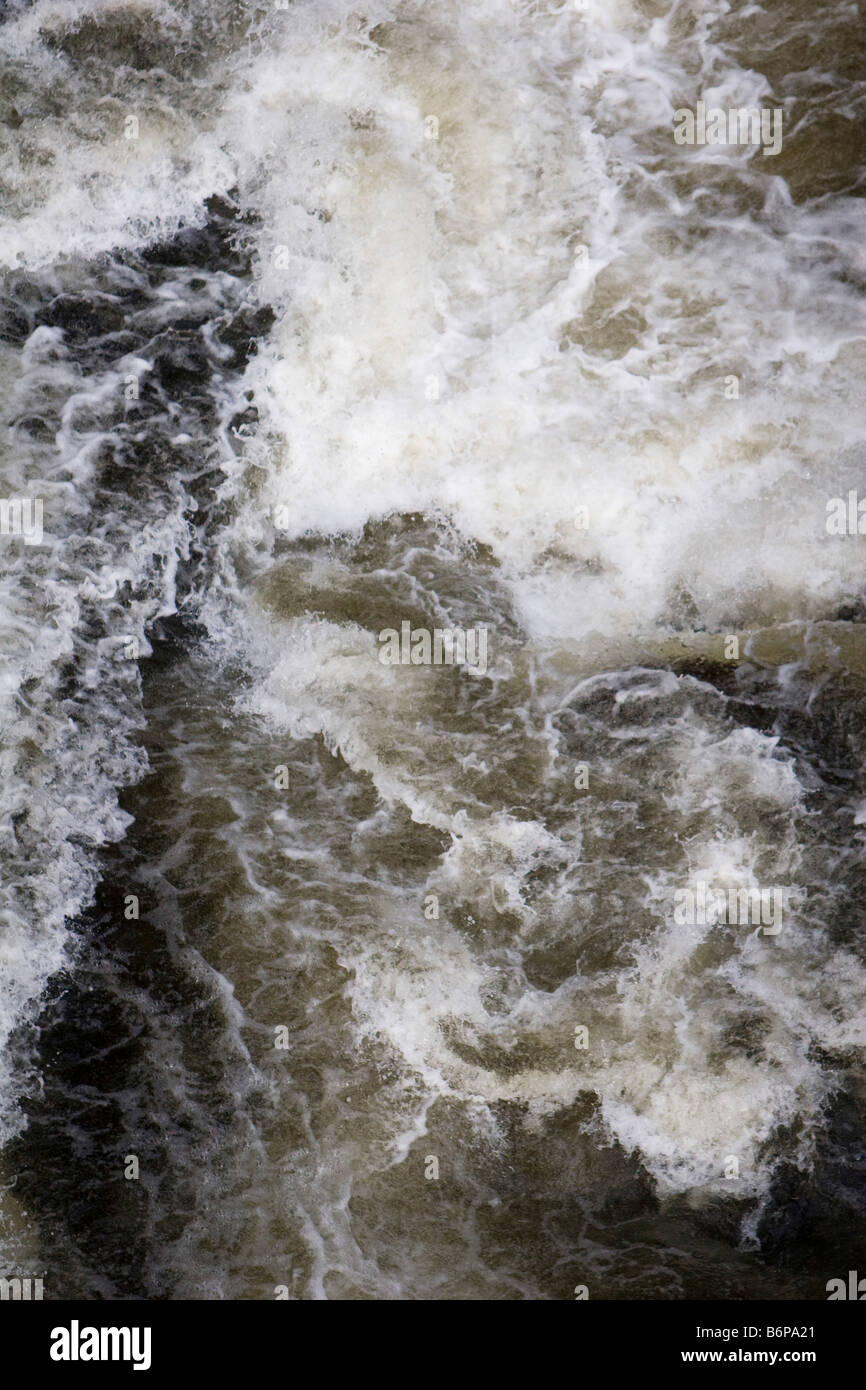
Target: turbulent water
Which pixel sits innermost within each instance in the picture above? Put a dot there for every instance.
(327, 978)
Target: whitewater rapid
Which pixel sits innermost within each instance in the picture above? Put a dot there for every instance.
(478, 343)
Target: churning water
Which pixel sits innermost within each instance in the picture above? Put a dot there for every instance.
(397, 980)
